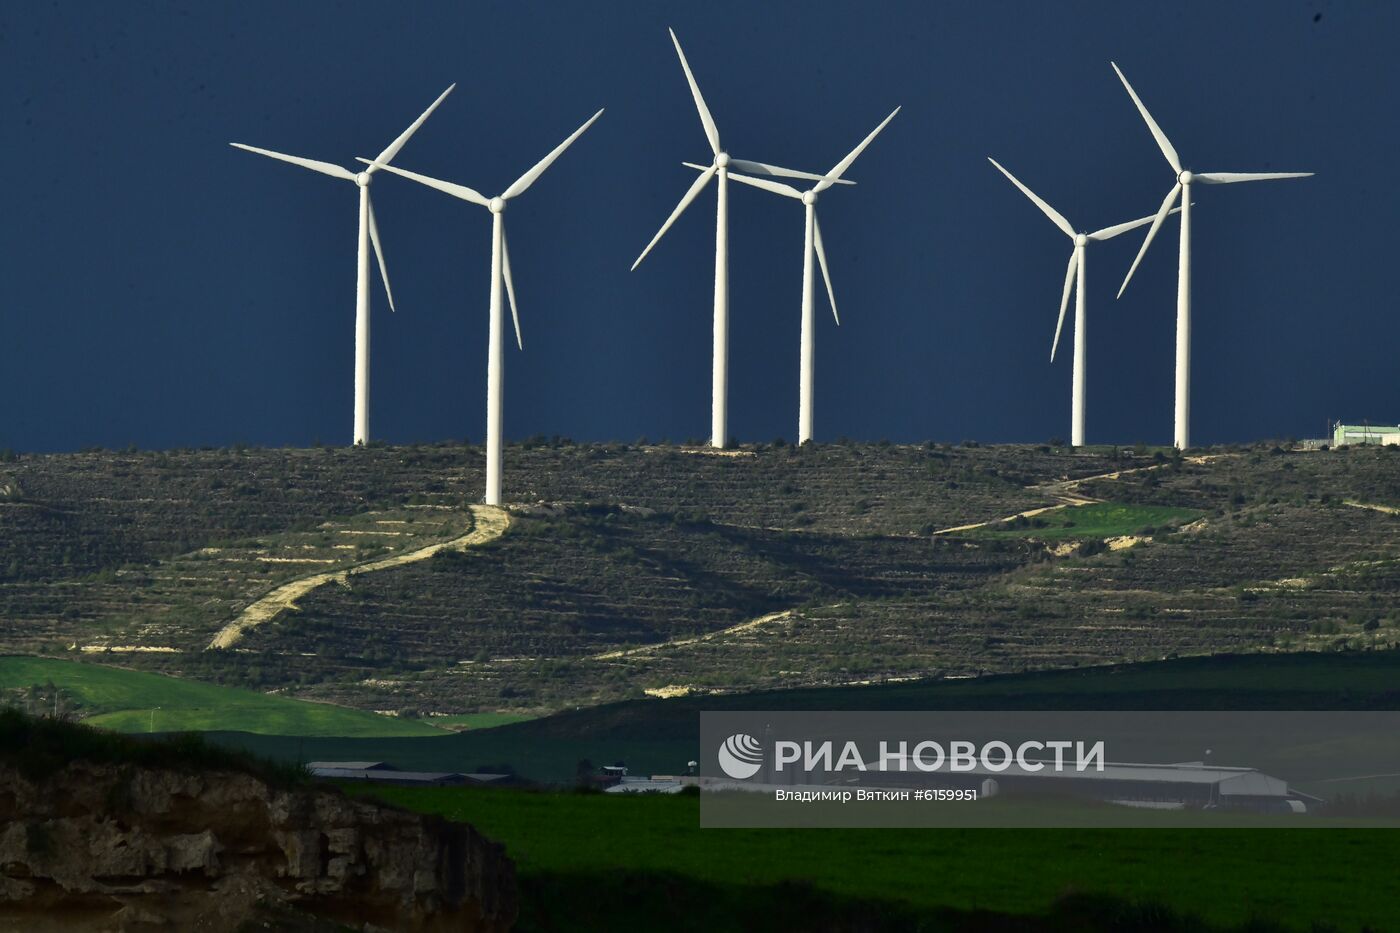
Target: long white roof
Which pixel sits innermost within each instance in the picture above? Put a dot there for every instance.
(1243, 781)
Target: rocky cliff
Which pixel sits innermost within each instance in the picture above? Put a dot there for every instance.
(115, 846)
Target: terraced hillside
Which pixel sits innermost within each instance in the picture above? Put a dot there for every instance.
(628, 570)
(595, 603)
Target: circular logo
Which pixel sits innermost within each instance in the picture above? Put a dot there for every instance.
(740, 756)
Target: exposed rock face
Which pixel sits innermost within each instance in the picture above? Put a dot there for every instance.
(106, 847)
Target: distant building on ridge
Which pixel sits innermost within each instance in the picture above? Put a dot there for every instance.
(1364, 434)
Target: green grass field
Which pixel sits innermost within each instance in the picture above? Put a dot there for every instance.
(1099, 520)
(132, 701)
(643, 846)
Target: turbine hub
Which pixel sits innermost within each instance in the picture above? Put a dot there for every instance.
(362, 179)
(809, 197)
(1081, 239)
(1185, 177)
(722, 160)
(497, 205)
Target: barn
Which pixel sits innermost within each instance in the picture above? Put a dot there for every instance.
(1364, 434)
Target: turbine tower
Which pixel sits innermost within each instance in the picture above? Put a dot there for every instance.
(368, 230)
(500, 270)
(1074, 280)
(720, 167)
(1184, 180)
(812, 242)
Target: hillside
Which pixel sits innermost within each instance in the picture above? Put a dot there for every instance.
(661, 735)
(631, 569)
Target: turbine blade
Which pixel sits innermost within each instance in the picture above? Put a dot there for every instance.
(387, 156)
(325, 168)
(776, 187)
(1229, 178)
(831, 177)
(777, 171)
(379, 253)
(1055, 216)
(690, 195)
(711, 131)
(457, 191)
(821, 261)
(1064, 299)
(1156, 225)
(1108, 233)
(510, 286)
(521, 184)
(1157, 133)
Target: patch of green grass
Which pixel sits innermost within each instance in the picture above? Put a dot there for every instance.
(1099, 520)
(479, 720)
(133, 701)
(1288, 878)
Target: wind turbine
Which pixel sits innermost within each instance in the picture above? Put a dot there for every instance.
(368, 228)
(812, 241)
(1184, 180)
(1074, 279)
(500, 269)
(720, 168)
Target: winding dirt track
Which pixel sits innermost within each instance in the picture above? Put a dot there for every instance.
(749, 625)
(489, 523)
(1386, 509)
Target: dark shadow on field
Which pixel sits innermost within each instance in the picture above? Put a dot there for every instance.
(653, 735)
(604, 902)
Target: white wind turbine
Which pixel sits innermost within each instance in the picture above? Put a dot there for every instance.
(500, 269)
(1184, 180)
(1074, 279)
(812, 242)
(720, 168)
(368, 230)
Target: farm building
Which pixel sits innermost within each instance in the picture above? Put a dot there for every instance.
(1364, 434)
(657, 784)
(383, 773)
(1188, 785)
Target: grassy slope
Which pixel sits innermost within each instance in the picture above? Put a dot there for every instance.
(122, 700)
(479, 720)
(1099, 520)
(661, 735)
(1226, 876)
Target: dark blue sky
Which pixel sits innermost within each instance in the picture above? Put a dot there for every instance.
(162, 288)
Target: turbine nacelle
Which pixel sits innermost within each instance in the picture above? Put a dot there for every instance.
(809, 200)
(1184, 179)
(1080, 239)
(724, 162)
(496, 206)
(369, 230)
